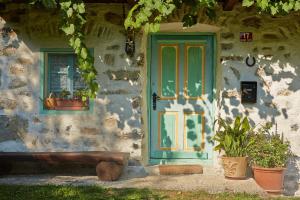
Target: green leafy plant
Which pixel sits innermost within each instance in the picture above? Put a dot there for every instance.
(268, 149)
(80, 94)
(64, 94)
(233, 138)
(150, 13)
(72, 23)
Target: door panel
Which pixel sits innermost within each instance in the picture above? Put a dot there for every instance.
(194, 131)
(168, 130)
(168, 83)
(194, 71)
(182, 76)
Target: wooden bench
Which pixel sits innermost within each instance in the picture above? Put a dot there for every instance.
(109, 165)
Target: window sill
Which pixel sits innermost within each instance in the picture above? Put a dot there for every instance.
(66, 106)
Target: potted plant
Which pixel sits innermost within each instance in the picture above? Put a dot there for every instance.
(50, 102)
(268, 154)
(233, 139)
(75, 103)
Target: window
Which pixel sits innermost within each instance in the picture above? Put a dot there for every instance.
(63, 74)
(62, 82)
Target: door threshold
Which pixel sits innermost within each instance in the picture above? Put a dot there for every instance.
(174, 169)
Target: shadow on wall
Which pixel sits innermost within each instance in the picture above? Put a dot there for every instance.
(115, 121)
(278, 83)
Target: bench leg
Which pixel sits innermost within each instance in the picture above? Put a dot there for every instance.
(109, 171)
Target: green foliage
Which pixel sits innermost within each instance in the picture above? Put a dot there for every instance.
(268, 149)
(150, 13)
(274, 6)
(64, 94)
(80, 94)
(72, 23)
(233, 138)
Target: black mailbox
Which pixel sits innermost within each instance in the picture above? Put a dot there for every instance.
(249, 91)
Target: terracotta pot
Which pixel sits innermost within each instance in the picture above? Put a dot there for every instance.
(50, 103)
(70, 104)
(235, 167)
(270, 179)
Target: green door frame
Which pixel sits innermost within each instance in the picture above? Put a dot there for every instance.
(149, 95)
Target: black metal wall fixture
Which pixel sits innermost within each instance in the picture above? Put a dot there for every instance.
(249, 91)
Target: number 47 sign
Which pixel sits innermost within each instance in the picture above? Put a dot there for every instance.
(246, 36)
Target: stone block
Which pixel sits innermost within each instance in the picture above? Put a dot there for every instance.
(270, 37)
(6, 103)
(284, 92)
(89, 131)
(113, 47)
(110, 123)
(135, 146)
(252, 21)
(226, 46)
(232, 58)
(112, 92)
(16, 69)
(227, 35)
(123, 75)
(9, 51)
(25, 61)
(109, 171)
(140, 60)
(295, 127)
(136, 102)
(12, 127)
(16, 83)
(230, 94)
(114, 18)
(109, 59)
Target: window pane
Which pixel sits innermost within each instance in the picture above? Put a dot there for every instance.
(78, 82)
(58, 72)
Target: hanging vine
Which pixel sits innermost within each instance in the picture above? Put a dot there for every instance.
(72, 24)
(145, 13)
(150, 13)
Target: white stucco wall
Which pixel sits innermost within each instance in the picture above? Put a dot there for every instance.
(116, 123)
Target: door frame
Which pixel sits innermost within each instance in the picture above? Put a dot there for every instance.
(148, 93)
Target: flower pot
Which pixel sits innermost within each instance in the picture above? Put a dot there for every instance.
(270, 179)
(234, 167)
(70, 104)
(50, 103)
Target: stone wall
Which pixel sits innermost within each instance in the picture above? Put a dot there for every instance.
(115, 121)
(277, 72)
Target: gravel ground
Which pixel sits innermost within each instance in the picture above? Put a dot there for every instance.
(206, 182)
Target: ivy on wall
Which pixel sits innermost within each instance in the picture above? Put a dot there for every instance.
(72, 23)
(147, 14)
(150, 13)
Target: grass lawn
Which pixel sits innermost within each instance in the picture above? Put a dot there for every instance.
(51, 192)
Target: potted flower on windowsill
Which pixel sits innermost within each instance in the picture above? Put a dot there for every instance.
(268, 154)
(75, 103)
(233, 140)
(50, 102)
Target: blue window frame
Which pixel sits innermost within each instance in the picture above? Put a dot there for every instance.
(63, 74)
(59, 71)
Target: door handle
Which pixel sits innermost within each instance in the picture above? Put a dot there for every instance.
(155, 98)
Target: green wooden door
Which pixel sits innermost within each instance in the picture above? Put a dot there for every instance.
(182, 76)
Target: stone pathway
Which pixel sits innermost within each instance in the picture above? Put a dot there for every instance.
(208, 182)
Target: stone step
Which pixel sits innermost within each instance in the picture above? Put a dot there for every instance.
(180, 169)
